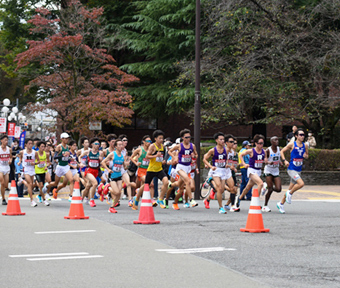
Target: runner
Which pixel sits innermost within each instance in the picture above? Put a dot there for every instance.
(256, 160)
(5, 162)
(186, 151)
(28, 158)
(41, 169)
(156, 154)
(116, 162)
(220, 169)
(84, 141)
(142, 163)
(272, 172)
(94, 158)
(298, 152)
(62, 169)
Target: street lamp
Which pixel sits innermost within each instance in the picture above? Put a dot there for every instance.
(12, 115)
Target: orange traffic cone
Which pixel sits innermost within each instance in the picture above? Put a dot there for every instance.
(76, 208)
(13, 205)
(255, 221)
(146, 215)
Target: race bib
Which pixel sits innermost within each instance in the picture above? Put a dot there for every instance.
(145, 162)
(220, 163)
(29, 162)
(193, 165)
(93, 163)
(258, 163)
(298, 162)
(73, 163)
(4, 161)
(159, 159)
(41, 164)
(117, 167)
(186, 158)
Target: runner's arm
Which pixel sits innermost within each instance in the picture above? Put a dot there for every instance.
(10, 156)
(282, 152)
(111, 156)
(206, 157)
(20, 157)
(135, 153)
(151, 150)
(244, 153)
(306, 155)
(37, 159)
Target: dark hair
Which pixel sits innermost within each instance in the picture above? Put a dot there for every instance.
(183, 132)
(103, 140)
(3, 137)
(16, 140)
(111, 137)
(28, 139)
(36, 139)
(145, 137)
(41, 142)
(297, 131)
(228, 136)
(71, 143)
(82, 140)
(257, 137)
(118, 139)
(157, 133)
(94, 139)
(216, 135)
(122, 136)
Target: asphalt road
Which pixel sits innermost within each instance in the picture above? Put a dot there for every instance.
(301, 249)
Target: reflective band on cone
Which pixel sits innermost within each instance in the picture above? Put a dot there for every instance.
(146, 215)
(13, 205)
(76, 208)
(255, 221)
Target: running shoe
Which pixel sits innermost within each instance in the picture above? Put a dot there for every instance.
(69, 198)
(206, 204)
(175, 206)
(180, 200)
(266, 209)
(186, 205)
(169, 185)
(55, 193)
(222, 211)
(280, 207)
(44, 189)
(112, 210)
(193, 203)
(264, 188)
(234, 209)
(166, 203)
(154, 203)
(117, 204)
(4, 202)
(212, 194)
(86, 200)
(108, 199)
(130, 203)
(39, 198)
(48, 197)
(33, 203)
(226, 207)
(135, 203)
(20, 182)
(46, 203)
(92, 203)
(101, 198)
(161, 203)
(288, 197)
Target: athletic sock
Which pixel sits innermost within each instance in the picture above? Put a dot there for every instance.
(232, 198)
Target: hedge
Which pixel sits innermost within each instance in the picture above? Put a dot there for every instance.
(318, 160)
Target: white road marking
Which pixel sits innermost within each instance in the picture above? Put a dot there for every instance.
(65, 258)
(60, 232)
(47, 255)
(195, 250)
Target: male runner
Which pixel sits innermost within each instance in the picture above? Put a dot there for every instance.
(298, 152)
(5, 162)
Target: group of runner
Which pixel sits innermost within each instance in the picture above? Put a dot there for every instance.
(103, 170)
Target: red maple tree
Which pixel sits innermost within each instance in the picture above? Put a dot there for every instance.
(71, 71)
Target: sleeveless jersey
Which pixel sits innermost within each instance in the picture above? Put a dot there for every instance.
(145, 162)
(93, 160)
(184, 155)
(230, 157)
(28, 159)
(4, 157)
(156, 163)
(117, 165)
(296, 157)
(73, 160)
(275, 158)
(257, 160)
(235, 159)
(65, 155)
(193, 165)
(40, 168)
(219, 160)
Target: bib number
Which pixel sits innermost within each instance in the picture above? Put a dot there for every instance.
(258, 163)
(298, 162)
(93, 163)
(117, 167)
(159, 159)
(41, 164)
(220, 163)
(145, 162)
(186, 158)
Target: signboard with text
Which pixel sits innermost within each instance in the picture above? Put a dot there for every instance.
(3, 123)
(11, 129)
(17, 132)
(95, 125)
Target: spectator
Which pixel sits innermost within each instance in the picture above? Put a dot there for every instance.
(18, 180)
(15, 151)
(245, 145)
(311, 142)
(290, 135)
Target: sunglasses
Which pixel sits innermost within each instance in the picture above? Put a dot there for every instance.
(301, 134)
(96, 143)
(125, 140)
(148, 141)
(260, 143)
(187, 137)
(231, 142)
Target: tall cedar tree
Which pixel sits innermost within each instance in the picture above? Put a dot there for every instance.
(75, 76)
